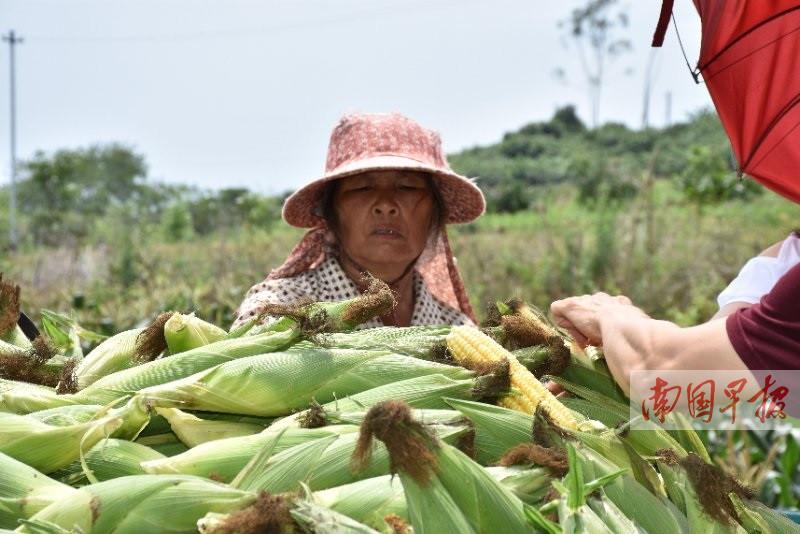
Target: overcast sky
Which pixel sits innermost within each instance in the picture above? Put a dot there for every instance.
(245, 93)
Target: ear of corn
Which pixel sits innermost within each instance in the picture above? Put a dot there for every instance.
(22, 398)
(193, 431)
(424, 392)
(280, 383)
(324, 463)
(109, 458)
(223, 459)
(141, 503)
(24, 491)
(186, 331)
(114, 354)
(418, 341)
(620, 479)
(368, 501)
(129, 381)
(472, 348)
(47, 448)
(432, 509)
(487, 504)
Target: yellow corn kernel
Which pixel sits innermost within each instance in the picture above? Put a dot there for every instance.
(471, 347)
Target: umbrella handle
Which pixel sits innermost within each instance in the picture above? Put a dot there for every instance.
(663, 23)
(27, 326)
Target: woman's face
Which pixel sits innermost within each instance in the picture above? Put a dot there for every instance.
(384, 218)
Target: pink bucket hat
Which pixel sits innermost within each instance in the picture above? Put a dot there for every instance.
(385, 141)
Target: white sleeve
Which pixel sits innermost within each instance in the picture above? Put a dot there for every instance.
(760, 274)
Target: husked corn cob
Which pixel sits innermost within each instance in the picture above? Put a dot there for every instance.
(474, 349)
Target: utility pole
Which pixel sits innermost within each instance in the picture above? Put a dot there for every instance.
(12, 39)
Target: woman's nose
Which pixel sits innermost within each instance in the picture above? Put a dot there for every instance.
(385, 207)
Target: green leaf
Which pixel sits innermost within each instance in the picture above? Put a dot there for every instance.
(573, 481)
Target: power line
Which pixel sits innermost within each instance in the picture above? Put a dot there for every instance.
(13, 39)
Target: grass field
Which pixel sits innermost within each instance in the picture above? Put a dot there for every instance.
(670, 257)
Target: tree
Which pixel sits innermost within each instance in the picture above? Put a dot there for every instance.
(594, 29)
(710, 179)
(63, 192)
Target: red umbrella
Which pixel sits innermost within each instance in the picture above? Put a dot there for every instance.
(750, 61)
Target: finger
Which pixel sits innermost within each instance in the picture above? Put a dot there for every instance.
(624, 300)
(554, 388)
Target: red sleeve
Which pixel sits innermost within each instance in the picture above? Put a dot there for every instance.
(767, 335)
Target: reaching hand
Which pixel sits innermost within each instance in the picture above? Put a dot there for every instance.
(582, 316)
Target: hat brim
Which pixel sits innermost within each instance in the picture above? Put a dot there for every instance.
(463, 200)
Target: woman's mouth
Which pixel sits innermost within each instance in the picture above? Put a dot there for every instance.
(387, 233)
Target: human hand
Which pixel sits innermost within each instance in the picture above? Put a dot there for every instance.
(582, 316)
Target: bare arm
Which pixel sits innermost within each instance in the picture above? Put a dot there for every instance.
(633, 341)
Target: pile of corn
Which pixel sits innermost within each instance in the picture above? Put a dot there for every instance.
(305, 424)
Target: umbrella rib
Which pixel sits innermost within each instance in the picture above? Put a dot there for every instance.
(785, 111)
(760, 48)
(746, 33)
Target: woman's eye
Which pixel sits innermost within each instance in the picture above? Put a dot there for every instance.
(410, 186)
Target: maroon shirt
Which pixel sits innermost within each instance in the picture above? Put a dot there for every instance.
(767, 335)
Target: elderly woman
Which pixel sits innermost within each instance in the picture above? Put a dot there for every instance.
(381, 208)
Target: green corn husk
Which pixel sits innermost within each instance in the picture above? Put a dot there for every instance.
(367, 501)
(529, 485)
(129, 381)
(370, 500)
(497, 429)
(582, 506)
(699, 520)
(776, 522)
(166, 444)
(48, 448)
(109, 458)
(187, 331)
(114, 354)
(23, 398)
(424, 342)
(224, 458)
(651, 513)
(328, 317)
(434, 472)
(17, 338)
(321, 520)
(427, 417)
(320, 464)
(66, 334)
(533, 357)
(193, 431)
(25, 491)
(139, 503)
(67, 415)
(424, 392)
(280, 383)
